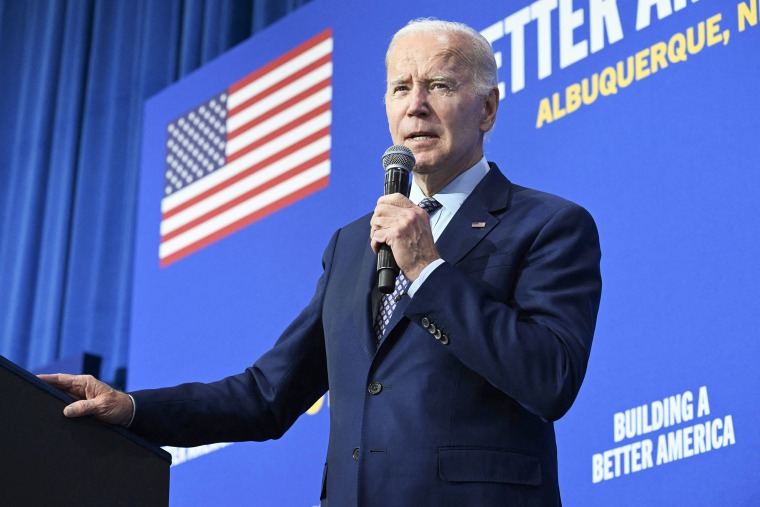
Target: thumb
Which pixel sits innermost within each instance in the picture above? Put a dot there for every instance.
(79, 408)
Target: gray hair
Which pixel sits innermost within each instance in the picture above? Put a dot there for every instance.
(479, 58)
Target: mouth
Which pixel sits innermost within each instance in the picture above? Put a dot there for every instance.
(420, 136)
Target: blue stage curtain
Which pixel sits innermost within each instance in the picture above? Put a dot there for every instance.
(75, 75)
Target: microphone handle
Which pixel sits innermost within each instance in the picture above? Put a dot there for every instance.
(396, 181)
(387, 270)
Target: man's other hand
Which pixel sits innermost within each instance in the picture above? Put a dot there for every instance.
(96, 398)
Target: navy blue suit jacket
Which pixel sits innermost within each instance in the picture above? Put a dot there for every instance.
(455, 407)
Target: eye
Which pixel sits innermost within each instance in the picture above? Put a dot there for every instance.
(440, 87)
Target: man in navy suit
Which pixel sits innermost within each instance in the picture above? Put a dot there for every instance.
(444, 393)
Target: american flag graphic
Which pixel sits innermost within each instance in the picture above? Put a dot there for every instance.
(255, 148)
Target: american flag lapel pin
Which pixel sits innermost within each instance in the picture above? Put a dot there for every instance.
(478, 225)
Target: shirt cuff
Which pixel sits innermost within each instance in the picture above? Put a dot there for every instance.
(131, 419)
(423, 276)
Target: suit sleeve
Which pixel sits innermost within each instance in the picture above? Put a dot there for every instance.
(259, 404)
(534, 347)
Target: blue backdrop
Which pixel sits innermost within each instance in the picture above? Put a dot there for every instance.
(75, 77)
(644, 113)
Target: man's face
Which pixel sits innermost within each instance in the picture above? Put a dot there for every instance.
(432, 105)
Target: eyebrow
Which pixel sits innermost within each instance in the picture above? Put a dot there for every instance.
(403, 80)
(444, 78)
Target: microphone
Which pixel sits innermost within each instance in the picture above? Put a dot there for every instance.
(398, 162)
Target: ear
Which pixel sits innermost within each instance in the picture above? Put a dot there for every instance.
(489, 110)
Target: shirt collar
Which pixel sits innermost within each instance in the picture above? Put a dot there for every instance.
(454, 194)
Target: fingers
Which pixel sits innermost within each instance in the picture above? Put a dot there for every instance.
(396, 200)
(59, 380)
(70, 384)
(80, 408)
(405, 228)
(396, 216)
(96, 398)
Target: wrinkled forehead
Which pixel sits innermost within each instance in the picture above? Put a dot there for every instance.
(425, 54)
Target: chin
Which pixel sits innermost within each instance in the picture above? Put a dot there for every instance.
(424, 164)
(423, 169)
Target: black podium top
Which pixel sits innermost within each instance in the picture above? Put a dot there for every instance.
(48, 459)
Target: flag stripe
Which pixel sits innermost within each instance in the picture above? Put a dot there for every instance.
(270, 108)
(306, 52)
(282, 161)
(222, 203)
(249, 151)
(270, 127)
(261, 141)
(283, 88)
(307, 130)
(320, 91)
(243, 210)
(268, 210)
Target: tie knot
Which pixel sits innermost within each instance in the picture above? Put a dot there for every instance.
(429, 204)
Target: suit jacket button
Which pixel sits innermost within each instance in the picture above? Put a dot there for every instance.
(374, 388)
(432, 329)
(444, 339)
(425, 322)
(355, 454)
(437, 334)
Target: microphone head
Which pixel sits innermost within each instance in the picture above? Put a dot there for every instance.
(398, 156)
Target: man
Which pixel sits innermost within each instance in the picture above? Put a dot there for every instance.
(448, 398)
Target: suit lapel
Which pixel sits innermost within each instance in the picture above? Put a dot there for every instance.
(475, 218)
(366, 300)
(492, 194)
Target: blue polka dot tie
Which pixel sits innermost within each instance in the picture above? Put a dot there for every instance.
(388, 302)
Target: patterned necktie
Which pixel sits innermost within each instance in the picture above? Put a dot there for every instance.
(388, 302)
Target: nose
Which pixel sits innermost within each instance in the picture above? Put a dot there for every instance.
(418, 102)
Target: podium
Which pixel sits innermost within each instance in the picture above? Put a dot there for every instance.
(47, 459)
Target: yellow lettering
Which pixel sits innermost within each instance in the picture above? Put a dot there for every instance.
(677, 48)
(639, 66)
(713, 37)
(695, 48)
(573, 97)
(544, 113)
(557, 110)
(747, 14)
(623, 79)
(659, 60)
(590, 98)
(642, 64)
(608, 82)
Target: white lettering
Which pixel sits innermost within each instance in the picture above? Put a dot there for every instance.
(597, 470)
(541, 11)
(658, 415)
(687, 407)
(514, 25)
(570, 52)
(622, 460)
(619, 426)
(703, 405)
(644, 11)
(728, 431)
(604, 16)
